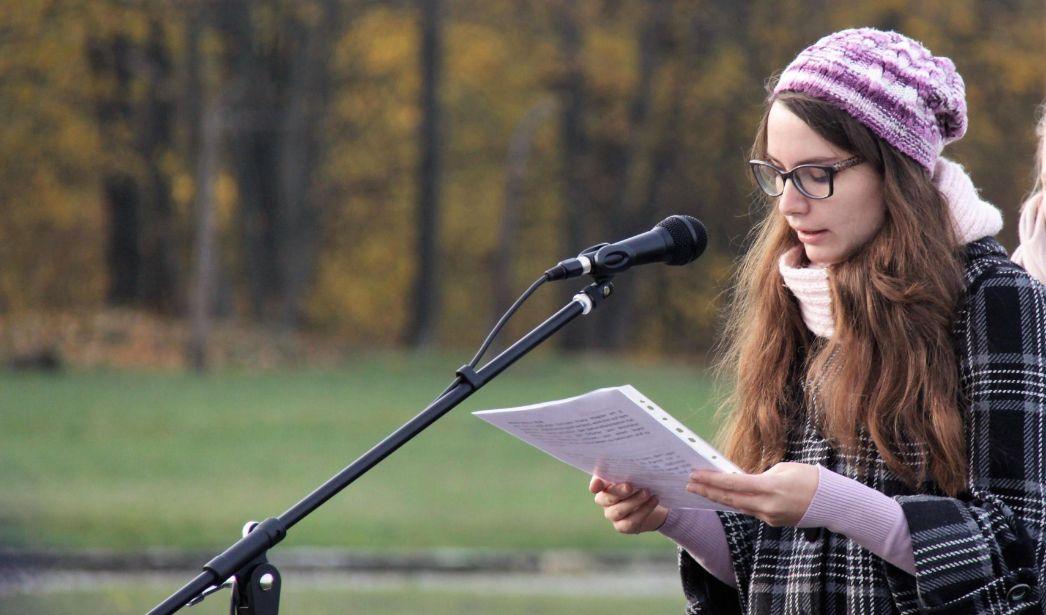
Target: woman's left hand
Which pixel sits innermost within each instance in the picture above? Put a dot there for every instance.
(779, 496)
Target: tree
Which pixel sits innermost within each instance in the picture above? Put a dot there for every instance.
(143, 246)
(519, 150)
(574, 148)
(276, 62)
(425, 305)
(206, 142)
(327, 160)
(644, 156)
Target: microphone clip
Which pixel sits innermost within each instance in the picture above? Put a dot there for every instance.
(594, 293)
(575, 267)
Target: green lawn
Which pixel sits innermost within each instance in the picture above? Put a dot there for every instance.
(127, 460)
(133, 600)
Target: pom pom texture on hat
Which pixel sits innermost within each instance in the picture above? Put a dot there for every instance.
(888, 82)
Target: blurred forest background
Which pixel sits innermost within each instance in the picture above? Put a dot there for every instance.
(181, 179)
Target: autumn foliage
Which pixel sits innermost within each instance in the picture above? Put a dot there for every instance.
(621, 112)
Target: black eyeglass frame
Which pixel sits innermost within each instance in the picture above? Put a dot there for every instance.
(829, 169)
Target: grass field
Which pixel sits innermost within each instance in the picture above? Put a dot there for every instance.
(129, 600)
(129, 460)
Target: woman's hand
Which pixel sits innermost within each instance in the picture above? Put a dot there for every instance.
(630, 510)
(779, 496)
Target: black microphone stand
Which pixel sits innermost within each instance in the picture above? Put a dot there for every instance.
(256, 589)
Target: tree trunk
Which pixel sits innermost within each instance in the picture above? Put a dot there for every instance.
(203, 116)
(205, 265)
(516, 160)
(278, 90)
(574, 146)
(123, 258)
(110, 59)
(142, 251)
(307, 91)
(421, 332)
(251, 105)
(160, 282)
(629, 215)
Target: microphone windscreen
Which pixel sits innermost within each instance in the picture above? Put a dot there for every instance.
(689, 238)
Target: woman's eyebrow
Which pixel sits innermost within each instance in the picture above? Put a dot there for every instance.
(812, 160)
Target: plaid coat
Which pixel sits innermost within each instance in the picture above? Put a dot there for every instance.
(980, 553)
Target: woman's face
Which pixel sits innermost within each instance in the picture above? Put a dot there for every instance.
(830, 229)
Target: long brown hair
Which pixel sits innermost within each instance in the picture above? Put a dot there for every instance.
(889, 371)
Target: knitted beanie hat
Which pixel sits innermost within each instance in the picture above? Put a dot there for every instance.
(888, 82)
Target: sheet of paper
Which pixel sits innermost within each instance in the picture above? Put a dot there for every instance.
(619, 435)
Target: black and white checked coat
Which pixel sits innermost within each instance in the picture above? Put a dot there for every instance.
(980, 553)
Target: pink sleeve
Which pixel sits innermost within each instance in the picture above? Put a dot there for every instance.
(701, 533)
(868, 517)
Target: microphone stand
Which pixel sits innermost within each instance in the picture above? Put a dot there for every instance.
(256, 588)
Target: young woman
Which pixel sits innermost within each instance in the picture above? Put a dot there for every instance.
(888, 365)
(1031, 254)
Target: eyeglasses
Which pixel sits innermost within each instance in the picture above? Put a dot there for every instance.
(813, 180)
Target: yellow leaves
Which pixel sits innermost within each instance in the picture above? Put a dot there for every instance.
(500, 59)
(309, 12)
(477, 54)
(382, 46)
(386, 41)
(226, 198)
(404, 119)
(610, 62)
(51, 223)
(725, 77)
(390, 54)
(1026, 71)
(183, 189)
(75, 145)
(362, 290)
(51, 247)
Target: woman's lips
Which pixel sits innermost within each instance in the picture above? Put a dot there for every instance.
(811, 236)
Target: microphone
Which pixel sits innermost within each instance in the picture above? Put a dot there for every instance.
(676, 240)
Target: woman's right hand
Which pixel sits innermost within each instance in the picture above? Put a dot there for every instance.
(631, 511)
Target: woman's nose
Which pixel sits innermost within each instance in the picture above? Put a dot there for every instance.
(791, 201)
